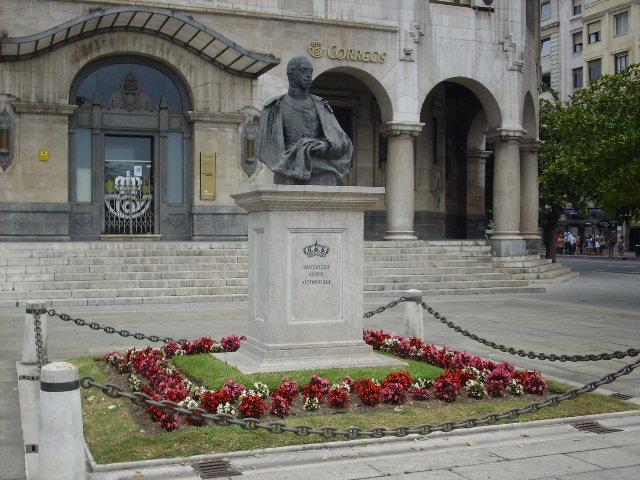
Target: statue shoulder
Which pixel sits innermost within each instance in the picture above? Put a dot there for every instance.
(273, 101)
(321, 102)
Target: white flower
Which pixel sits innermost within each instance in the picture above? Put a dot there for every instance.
(135, 383)
(261, 390)
(196, 391)
(188, 403)
(475, 389)
(226, 408)
(421, 383)
(216, 347)
(472, 371)
(515, 388)
(341, 385)
(311, 404)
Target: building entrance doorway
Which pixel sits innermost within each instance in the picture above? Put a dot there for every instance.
(128, 196)
(130, 152)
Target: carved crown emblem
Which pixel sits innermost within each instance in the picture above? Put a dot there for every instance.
(315, 49)
(316, 250)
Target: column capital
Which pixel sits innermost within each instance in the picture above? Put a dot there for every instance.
(530, 145)
(399, 129)
(478, 154)
(506, 135)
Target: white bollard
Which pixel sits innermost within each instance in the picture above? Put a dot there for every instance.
(61, 445)
(413, 315)
(29, 350)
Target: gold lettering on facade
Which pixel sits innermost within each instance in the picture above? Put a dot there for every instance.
(335, 52)
(207, 176)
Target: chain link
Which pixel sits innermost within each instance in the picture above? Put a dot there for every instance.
(123, 333)
(386, 307)
(551, 357)
(277, 428)
(37, 329)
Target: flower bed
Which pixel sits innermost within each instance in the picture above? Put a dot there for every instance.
(151, 371)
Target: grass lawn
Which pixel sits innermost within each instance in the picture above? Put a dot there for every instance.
(114, 434)
(210, 371)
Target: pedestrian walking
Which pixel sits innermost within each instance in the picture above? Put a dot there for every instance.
(611, 243)
(621, 247)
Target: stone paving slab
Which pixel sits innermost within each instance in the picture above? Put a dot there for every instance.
(629, 473)
(435, 475)
(616, 457)
(526, 468)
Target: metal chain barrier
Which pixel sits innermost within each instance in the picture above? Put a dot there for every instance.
(37, 328)
(123, 333)
(224, 420)
(385, 307)
(551, 357)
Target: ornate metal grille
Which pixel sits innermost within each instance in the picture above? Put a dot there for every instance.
(129, 209)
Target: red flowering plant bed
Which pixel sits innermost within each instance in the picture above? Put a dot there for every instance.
(152, 371)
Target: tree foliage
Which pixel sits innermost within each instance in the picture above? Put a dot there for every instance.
(591, 148)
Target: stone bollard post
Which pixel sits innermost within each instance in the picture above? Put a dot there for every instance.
(29, 349)
(61, 446)
(413, 315)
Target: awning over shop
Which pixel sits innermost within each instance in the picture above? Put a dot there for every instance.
(175, 27)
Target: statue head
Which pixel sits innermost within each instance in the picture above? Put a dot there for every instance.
(300, 73)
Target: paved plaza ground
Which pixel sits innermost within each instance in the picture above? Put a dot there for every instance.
(598, 312)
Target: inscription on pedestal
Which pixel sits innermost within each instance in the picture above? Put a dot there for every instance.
(317, 273)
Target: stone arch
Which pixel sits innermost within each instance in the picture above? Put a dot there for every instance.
(160, 64)
(489, 103)
(477, 139)
(379, 91)
(529, 117)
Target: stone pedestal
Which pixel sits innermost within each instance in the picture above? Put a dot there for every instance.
(305, 278)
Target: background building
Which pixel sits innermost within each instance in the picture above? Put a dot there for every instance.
(580, 40)
(105, 99)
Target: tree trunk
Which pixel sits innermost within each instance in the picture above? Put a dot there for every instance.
(550, 225)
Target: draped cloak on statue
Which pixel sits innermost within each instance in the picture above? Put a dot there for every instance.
(297, 161)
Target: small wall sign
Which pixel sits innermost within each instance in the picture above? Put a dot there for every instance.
(44, 154)
(207, 176)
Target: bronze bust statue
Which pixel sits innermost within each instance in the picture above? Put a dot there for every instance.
(299, 138)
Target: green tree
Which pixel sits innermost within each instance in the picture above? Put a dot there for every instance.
(591, 150)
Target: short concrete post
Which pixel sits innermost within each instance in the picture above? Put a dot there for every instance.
(413, 314)
(29, 350)
(61, 446)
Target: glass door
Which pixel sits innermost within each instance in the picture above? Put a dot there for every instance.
(128, 188)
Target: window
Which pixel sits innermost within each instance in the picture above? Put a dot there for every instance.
(621, 23)
(545, 47)
(545, 10)
(577, 7)
(577, 42)
(594, 32)
(595, 69)
(546, 82)
(621, 61)
(578, 78)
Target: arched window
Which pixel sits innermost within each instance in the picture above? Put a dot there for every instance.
(129, 131)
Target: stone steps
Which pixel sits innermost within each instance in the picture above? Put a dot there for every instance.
(103, 273)
(462, 291)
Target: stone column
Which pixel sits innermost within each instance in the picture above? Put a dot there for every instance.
(506, 239)
(529, 203)
(400, 179)
(476, 215)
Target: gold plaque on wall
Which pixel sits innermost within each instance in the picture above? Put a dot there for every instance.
(207, 176)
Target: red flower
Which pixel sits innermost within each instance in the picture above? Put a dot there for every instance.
(339, 398)
(401, 377)
(234, 389)
(393, 393)
(420, 394)
(232, 343)
(368, 391)
(445, 388)
(210, 400)
(280, 406)
(252, 406)
(288, 389)
(533, 382)
(313, 390)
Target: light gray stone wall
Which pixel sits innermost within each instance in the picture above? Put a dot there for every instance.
(493, 54)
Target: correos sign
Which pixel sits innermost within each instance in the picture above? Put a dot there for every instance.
(336, 52)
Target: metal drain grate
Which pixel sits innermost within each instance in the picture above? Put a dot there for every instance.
(621, 396)
(215, 469)
(593, 427)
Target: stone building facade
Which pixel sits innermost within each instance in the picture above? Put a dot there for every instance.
(139, 120)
